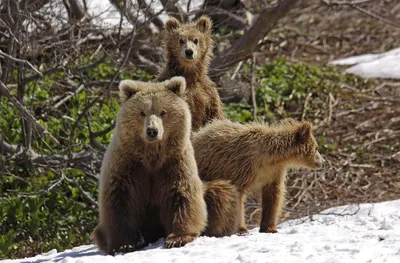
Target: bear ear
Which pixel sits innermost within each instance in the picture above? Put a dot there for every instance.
(128, 88)
(204, 24)
(177, 85)
(303, 132)
(172, 24)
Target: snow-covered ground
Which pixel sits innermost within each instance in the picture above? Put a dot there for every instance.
(365, 233)
(385, 65)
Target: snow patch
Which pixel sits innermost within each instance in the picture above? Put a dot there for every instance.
(355, 233)
(385, 65)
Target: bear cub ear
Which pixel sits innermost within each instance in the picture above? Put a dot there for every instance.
(303, 132)
(128, 88)
(204, 24)
(177, 85)
(172, 24)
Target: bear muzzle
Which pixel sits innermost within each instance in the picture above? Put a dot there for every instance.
(189, 54)
(151, 134)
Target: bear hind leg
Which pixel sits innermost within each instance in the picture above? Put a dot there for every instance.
(223, 204)
(242, 225)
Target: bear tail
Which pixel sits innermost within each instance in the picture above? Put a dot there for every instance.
(99, 237)
(223, 203)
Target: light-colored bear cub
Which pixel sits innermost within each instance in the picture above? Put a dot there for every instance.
(256, 157)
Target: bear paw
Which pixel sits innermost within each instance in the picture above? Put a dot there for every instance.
(269, 229)
(243, 231)
(177, 240)
(124, 249)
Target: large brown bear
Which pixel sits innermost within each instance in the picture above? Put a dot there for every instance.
(188, 51)
(255, 157)
(149, 183)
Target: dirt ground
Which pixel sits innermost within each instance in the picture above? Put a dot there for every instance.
(362, 124)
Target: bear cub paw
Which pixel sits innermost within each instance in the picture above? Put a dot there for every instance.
(177, 240)
(243, 231)
(269, 229)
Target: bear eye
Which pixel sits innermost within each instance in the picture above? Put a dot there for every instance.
(181, 41)
(142, 114)
(162, 113)
(196, 41)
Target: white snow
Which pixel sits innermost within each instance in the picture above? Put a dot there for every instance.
(385, 65)
(365, 233)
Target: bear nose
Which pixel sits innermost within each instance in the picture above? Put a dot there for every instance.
(189, 52)
(152, 132)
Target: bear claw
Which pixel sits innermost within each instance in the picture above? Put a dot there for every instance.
(177, 241)
(124, 249)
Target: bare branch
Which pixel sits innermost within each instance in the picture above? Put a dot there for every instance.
(354, 4)
(2, 54)
(149, 12)
(252, 88)
(85, 194)
(42, 131)
(61, 68)
(5, 147)
(371, 14)
(175, 11)
(66, 98)
(76, 11)
(101, 95)
(244, 46)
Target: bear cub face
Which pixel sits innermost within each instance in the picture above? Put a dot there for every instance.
(189, 43)
(307, 155)
(153, 107)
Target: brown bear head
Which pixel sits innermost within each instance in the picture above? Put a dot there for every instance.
(305, 146)
(153, 112)
(189, 45)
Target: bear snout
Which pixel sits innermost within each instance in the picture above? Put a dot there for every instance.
(151, 133)
(320, 161)
(189, 53)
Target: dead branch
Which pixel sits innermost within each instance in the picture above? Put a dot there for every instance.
(27, 115)
(371, 14)
(59, 68)
(252, 88)
(69, 96)
(102, 94)
(175, 11)
(75, 10)
(85, 195)
(5, 147)
(2, 54)
(247, 44)
(354, 4)
(150, 14)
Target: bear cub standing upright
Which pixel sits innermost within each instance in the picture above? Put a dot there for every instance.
(149, 184)
(255, 157)
(188, 51)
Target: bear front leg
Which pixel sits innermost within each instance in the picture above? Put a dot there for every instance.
(121, 215)
(215, 110)
(273, 196)
(242, 209)
(184, 207)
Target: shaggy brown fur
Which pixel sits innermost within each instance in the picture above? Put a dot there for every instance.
(149, 185)
(255, 157)
(223, 204)
(188, 51)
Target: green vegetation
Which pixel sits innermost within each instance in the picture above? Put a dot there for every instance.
(43, 206)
